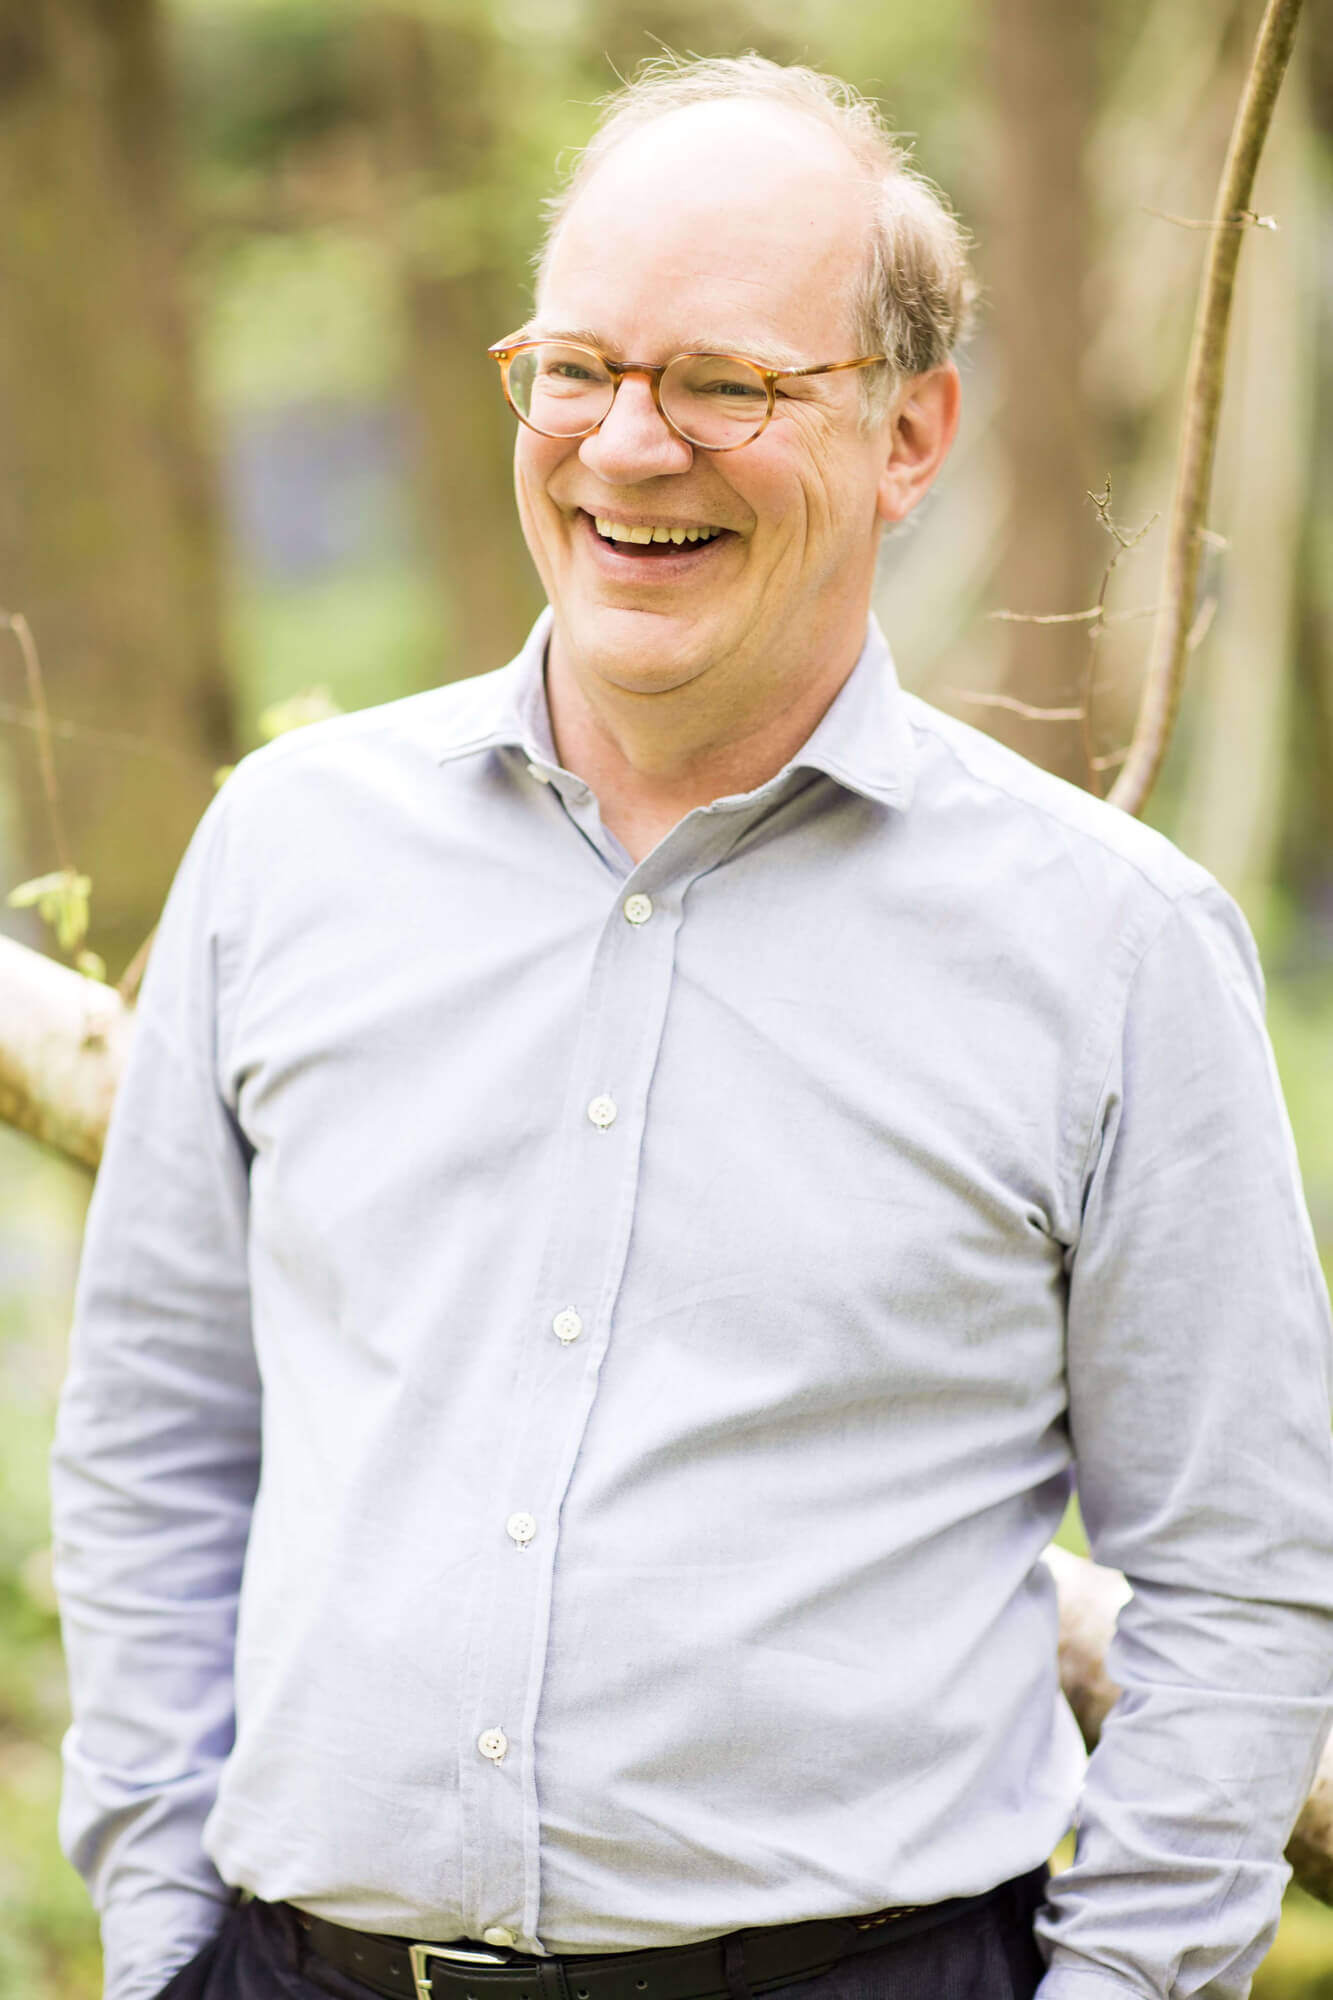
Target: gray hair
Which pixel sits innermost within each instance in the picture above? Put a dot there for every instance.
(913, 299)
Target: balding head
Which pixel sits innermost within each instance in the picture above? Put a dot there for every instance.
(777, 191)
(908, 287)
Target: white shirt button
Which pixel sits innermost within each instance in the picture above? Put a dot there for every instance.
(497, 1935)
(493, 1743)
(520, 1528)
(567, 1325)
(602, 1112)
(536, 772)
(638, 909)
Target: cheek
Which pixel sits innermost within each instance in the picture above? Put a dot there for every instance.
(807, 489)
(536, 460)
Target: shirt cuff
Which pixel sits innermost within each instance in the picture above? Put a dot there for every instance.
(146, 1942)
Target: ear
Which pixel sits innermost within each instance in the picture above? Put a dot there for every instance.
(923, 421)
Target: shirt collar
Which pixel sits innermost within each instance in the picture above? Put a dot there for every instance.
(863, 741)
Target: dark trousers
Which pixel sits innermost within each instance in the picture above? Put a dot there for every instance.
(986, 1954)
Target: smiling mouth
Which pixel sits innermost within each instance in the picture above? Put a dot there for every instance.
(652, 539)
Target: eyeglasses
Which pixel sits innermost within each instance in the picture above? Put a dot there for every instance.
(562, 389)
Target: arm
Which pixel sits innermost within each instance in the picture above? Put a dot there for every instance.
(1198, 1371)
(155, 1464)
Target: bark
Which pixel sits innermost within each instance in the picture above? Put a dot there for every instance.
(1231, 218)
(1036, 237)
(108, 530)
(63, 1042)
(433, 93)
(1231, 811)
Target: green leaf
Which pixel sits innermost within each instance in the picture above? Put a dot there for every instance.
(28, 893)
(313, 704)
(62, 902)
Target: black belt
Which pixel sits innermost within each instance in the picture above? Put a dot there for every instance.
(753, 1960)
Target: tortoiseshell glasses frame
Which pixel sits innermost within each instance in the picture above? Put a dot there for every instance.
(505, 352)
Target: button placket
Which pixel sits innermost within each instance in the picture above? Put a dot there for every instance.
(594, 1174)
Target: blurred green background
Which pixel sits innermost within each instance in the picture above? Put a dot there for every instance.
(250, 444)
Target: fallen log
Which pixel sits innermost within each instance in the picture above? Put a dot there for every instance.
(63, 1040)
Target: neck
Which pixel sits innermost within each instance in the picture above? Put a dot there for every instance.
(653, 758)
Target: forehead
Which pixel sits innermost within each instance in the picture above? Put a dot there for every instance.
(733, 224)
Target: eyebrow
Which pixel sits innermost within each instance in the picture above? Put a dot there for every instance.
(768, 356)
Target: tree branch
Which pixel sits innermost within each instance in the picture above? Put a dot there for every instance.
(1203, 400)
(63, 1040)
(32, 668)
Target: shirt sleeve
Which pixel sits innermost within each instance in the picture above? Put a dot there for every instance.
(1198, 1368)
(156, 1462)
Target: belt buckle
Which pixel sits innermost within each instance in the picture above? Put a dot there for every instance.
(419, 1953)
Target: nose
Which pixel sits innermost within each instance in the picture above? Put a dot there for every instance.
(633, 442)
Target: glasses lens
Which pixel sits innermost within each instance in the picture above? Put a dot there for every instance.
(714, 400)
(560, 389)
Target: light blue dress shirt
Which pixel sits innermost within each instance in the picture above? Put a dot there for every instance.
(600, 1350)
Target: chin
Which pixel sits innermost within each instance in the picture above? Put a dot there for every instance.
(641, 652)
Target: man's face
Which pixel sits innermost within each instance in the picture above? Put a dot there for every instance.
(737, 228)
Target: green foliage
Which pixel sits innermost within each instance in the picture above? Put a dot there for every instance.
(48, 1935)
(61, 900)
(306, 315)
(259, 75)
(368, 632)
(314, 704)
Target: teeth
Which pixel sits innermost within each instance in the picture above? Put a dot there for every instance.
(620, 531)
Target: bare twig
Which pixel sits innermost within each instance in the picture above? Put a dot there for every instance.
(1199, 630)
(1024, 708)
(1243, 218)
(1046, 617)
(1125, 539)
(1085, 617)
(1096, 617)
(1203, 397)
(32, 667)
(131, 979)
(78, 732)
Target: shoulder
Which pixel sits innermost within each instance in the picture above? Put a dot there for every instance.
(317, 795)
(432, 725)
(1077, 837)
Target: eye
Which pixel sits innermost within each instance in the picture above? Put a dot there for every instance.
(727, 386)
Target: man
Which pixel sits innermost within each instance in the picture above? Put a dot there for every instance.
(638, 1178)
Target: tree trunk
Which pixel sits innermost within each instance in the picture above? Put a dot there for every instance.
(1040, 60)
(108, 526)
(433, 89)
